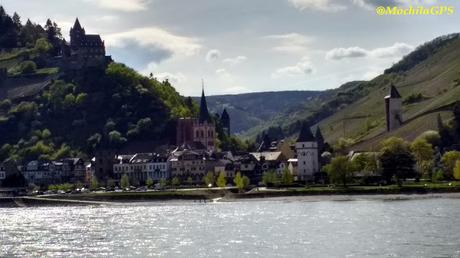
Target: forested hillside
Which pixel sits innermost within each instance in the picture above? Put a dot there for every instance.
(427, 79)
(76, 113)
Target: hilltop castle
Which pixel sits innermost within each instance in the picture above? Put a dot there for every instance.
(84, 50)
(81, 44)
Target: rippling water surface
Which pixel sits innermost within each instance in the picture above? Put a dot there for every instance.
(415, 228)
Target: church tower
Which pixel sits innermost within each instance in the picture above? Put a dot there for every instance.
(393, 106)
(225, 120)
(204, 130)
(307, 154)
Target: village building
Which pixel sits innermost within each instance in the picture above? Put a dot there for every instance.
(393, 109)
(142, 166)
(187, 162)
(43, 173)
(307, 155)
(201, 129)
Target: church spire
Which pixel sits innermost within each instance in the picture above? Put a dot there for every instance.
(77, 24)
(204, 113)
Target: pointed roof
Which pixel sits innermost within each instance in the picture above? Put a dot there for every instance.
(204, 113)
(319, 135)
(77, 24)
(394, 93)
(225, 115)
(305, 134)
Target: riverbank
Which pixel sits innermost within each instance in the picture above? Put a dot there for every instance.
(410, 191)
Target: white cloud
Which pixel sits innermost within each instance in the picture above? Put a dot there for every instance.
(173, 78)
(212, 55)
(341, 53)
(153, 37)
(223, 73)
(302, 68)
(290, 42)
(397, 50)
(235, 61)
(322, 5)
(122, 5)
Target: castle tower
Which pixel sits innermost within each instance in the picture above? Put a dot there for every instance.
(225, 120)
(307, 155)
(393, 105)
(77, 35)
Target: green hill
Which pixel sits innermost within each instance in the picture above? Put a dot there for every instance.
(253, 109)
(427, 78)
(47, 113)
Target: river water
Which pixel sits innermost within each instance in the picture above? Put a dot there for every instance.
(265, 228)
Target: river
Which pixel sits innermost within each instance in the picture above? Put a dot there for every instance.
(261, 228)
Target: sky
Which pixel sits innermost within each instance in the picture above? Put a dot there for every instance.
(239, 46)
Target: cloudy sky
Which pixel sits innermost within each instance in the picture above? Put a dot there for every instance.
(248, 45)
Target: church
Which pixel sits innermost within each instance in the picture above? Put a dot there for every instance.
(199, 132)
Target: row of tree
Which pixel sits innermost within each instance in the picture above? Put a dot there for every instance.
(398, 160)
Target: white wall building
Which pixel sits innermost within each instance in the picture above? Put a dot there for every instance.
(393, 104)
(307, 155)
(140, 167)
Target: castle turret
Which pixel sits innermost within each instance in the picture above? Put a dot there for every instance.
(393, 105)
(307, 154)
(225, 120)
(77, 34)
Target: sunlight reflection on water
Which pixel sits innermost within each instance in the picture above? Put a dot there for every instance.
(415, 228)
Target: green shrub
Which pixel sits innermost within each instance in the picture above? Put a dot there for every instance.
(28, 67)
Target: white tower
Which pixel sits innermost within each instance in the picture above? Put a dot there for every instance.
(307, 155)
(393, 104)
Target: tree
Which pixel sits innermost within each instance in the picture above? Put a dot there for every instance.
(238, 181)
(110, 183)
(149, 182)
(163, 182)
(287, 178)
(449, 160)
(423, 154)
(246, 182)
(432, 137)
(397, 160)
(340, 170)
(17, 21)
(28, 67)
(124, 181)
(221, 180)
(94, 183)
(270, 178)
(189, 180)
(175, 182)
(457, 170)
(209, 179)
(42, 46)
(116, 139)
